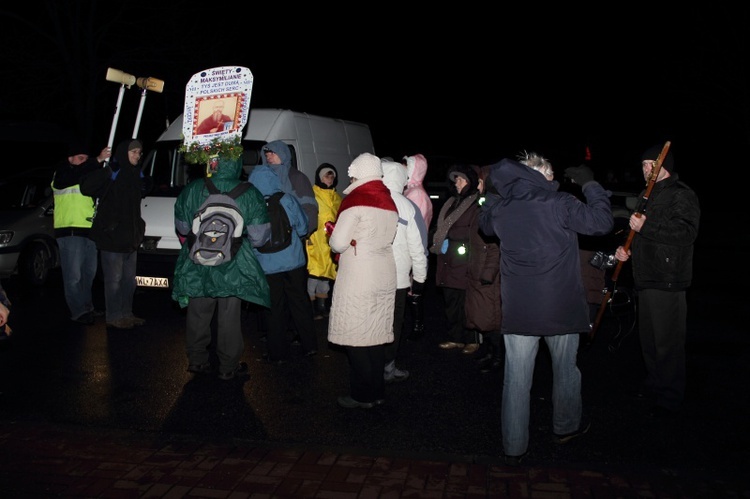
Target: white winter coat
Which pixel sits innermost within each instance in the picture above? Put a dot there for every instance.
(408, 246)
(365, 291)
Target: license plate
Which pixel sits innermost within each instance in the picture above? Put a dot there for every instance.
(152, 282)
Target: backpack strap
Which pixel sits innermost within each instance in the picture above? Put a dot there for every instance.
(239, 189)
(210, 185)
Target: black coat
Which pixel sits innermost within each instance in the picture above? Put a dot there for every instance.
(662, 252)
(118, 225)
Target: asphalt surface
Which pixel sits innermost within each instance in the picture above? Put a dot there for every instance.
(54, 371)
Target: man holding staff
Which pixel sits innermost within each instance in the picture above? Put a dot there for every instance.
(662, 251)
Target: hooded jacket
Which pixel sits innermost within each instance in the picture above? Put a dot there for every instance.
(242, 276)
(416, 169)
(267, 180)
(294, 182)
(662, 252)
(118, 226)
(542, 289)
(408, 246)
(319, 259)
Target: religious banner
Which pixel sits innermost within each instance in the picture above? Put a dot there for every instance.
(217, 104)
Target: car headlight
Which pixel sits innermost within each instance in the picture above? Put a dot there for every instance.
(6, 236)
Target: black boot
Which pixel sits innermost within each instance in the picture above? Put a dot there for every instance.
(319, 307)
(417, 308)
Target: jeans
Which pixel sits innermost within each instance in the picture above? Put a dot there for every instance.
(520, 358)
(119, 283)
(78, 260)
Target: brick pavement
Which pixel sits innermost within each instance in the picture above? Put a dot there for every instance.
(54, 460)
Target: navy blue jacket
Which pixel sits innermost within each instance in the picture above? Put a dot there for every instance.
(541, 284)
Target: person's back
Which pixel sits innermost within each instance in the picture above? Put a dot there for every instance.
(416, 169)
(205, 290)
(541, 287)
(411, 261)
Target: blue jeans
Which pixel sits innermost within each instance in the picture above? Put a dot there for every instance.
(119, 283)
(520, 357)
(78, 260)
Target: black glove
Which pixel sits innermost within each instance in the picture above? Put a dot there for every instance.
(417, 288)
(581, 175)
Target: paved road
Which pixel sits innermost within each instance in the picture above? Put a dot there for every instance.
(60, 372)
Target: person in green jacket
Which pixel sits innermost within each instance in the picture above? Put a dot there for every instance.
(205, 290)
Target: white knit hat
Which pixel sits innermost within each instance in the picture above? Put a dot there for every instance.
(366, 166)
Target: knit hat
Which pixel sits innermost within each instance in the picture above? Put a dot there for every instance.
(653, 152)
(452, 176)
(78, 147)
(325, 170)
(366, 166)
(135, 144)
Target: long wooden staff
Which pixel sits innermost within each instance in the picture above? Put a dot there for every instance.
(642, 207)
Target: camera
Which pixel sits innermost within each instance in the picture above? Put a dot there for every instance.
(603, 261)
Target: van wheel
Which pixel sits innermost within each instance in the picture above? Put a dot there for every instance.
(34, 265)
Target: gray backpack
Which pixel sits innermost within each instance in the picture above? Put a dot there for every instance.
(216, 233)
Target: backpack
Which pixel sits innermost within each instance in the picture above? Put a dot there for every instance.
(216, 233)
(281, 229)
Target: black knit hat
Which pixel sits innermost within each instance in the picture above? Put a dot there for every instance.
(78, 147)
(653, 152)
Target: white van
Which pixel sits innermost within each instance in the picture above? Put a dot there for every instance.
(312, 140)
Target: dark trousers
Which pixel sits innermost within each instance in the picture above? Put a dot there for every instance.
(454, 300)
(229, 342)
(366, 366)
(391, 349)
(289, 299)
(662, 318)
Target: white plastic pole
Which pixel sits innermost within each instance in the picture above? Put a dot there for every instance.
(140, 114)
(114, 120)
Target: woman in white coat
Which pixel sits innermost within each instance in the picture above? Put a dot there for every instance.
(361, 317)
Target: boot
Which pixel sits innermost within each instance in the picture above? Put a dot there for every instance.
(417, 309)
(319, 307)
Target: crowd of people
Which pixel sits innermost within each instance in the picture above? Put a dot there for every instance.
(509, 268)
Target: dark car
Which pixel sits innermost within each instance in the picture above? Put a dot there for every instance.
(27, 243)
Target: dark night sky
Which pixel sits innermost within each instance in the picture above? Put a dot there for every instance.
(468, 84)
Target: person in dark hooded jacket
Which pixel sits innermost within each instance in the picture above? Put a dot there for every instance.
(221, 288)
(118, 228)
(541, 287)
(451, 244)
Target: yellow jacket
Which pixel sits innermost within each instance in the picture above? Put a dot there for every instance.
(319, 259)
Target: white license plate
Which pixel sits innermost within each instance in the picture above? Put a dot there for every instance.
(152, 282)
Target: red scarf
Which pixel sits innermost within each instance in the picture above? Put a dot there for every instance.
(373, 193)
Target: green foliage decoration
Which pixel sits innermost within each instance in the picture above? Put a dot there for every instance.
(196, 153)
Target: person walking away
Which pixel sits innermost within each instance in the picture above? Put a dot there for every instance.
(541, 287)
(416, 170)
(118, 228)
(321, 268)
(286, 272)
(362, 310)
(662, 263)
(483, 306)
(72, 220)
(220, 290)
(411, 262)
(451, 243)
